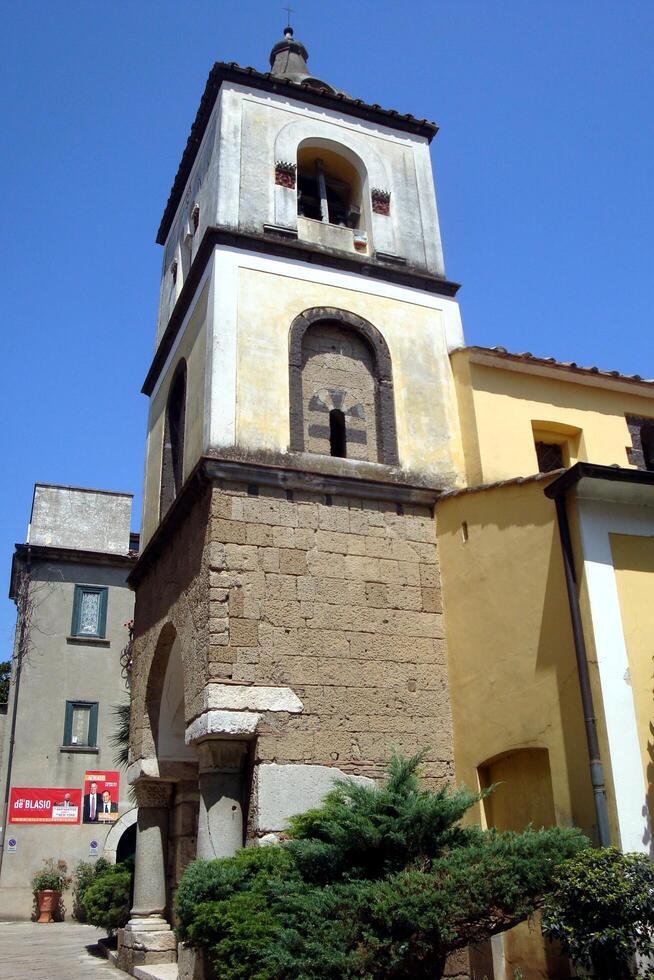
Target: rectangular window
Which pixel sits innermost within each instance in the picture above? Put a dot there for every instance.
(81, 724)
(550, 456)
(89, 611)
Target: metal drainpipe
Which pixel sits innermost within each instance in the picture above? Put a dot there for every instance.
(596, 767)
(14, 715)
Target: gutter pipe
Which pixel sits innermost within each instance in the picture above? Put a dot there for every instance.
(596, 767)
(18, 654)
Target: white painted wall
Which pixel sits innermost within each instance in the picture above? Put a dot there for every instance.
(232, 180)
(597, 520)
(249, 343)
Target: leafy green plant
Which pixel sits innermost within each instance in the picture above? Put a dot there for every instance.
(107, 900)
(53, 876)
(83, 877)
(601, 910)
(378, 882)
(119, 738)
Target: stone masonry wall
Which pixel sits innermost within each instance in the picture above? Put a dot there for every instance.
(174, 590)
(339, 599)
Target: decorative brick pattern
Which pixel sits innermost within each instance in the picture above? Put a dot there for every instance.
(285, 174)
(381, 200)
(338, 372)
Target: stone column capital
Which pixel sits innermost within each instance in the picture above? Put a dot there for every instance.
(152, 793)
(222, 754)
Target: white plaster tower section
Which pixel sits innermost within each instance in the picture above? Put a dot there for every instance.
(258, 131)
(240, 222)
(597, 520)
(249, 391)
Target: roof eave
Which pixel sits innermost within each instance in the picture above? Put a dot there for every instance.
(231, 72)
(597, 471)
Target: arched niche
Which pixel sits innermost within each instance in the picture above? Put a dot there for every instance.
(164, 701)
(172, 716)
(172, 457)
(357, 150)
(346, 183)
(329, 397)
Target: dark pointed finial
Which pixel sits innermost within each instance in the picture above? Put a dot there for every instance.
(289, 57)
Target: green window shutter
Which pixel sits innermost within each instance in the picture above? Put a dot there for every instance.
(102, 614)
(77, 600)
(68, 723)
(93, 725)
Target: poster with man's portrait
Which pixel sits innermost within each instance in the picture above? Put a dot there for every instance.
(100, 798)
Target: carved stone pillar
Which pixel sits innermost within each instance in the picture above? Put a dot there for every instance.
(148, 938)
(220, 822)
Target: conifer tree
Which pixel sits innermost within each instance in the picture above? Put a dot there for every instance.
(378, 882)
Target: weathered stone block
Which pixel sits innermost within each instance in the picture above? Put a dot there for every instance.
(228, 532)
(243, 632)
(432, 600)
(292, 561)
(283, 791)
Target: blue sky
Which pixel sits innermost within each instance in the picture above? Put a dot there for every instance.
(544, 167)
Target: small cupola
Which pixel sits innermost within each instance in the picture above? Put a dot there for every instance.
(288, 59)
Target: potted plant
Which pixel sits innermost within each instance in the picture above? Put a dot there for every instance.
(47, 885)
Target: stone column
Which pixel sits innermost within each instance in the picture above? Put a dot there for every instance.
(220, 822)
(148, 938)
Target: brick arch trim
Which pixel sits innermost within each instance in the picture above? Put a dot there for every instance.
(386, 428)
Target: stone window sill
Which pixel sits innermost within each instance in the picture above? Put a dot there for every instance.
(95, 641)
(80, 749)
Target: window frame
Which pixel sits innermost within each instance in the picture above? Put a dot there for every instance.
(92, 734)
(103, 592)
(647, 444)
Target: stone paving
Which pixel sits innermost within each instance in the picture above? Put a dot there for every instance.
(60, 951)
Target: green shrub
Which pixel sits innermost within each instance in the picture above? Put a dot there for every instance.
(215, 881)
(107, 900)
(84, 875)
(601, 910)
(378, 882)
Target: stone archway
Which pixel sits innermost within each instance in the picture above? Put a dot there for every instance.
(123, 824)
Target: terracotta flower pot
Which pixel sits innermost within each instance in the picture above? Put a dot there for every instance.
(48, 902)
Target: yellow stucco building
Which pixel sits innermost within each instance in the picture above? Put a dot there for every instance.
(547, 561)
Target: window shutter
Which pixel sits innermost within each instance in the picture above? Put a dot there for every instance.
(77, 600)
(68, 723)
(93, 725)
(102, 613)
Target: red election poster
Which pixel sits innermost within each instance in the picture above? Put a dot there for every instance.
(44, 805)
(101, 794)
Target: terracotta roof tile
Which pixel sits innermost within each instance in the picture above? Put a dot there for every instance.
(513, 482)
(527, 357)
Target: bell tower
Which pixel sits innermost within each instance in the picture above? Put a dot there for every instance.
(302, 424)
